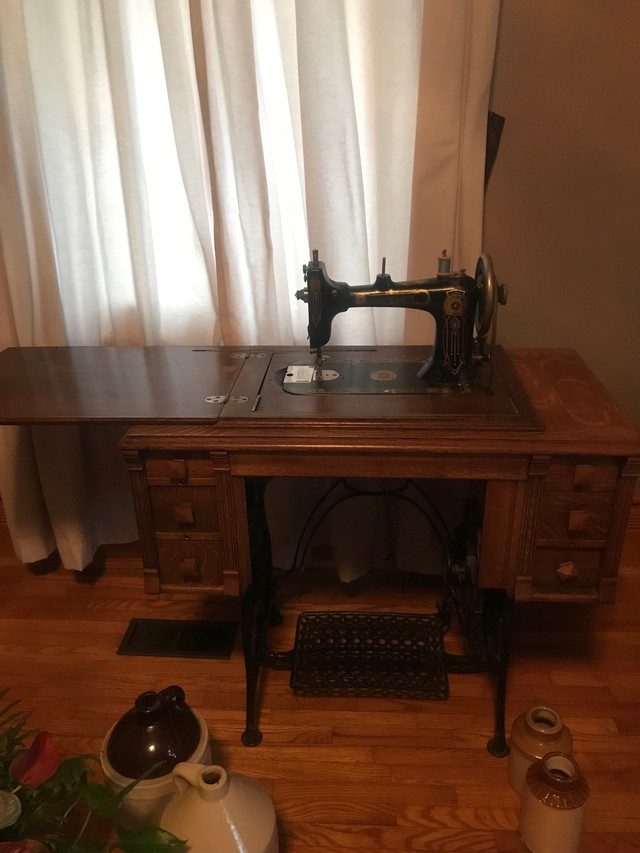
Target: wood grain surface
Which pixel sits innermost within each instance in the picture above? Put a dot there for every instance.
(345, 774)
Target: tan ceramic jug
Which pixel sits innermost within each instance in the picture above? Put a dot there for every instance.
(553, 805)
(220, 812)
(535, 733)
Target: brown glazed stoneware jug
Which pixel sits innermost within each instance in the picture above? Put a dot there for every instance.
(160, 729)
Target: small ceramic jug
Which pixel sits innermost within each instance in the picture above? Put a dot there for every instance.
(220, 812)
(535, 733)
(553, 805)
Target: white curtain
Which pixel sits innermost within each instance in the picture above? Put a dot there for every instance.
(166, 168)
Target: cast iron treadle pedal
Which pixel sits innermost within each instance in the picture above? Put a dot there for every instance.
(370, 654)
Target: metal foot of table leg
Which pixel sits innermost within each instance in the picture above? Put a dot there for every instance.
(498, 746)
(251, 737)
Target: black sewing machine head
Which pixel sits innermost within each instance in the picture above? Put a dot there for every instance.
(463, 308)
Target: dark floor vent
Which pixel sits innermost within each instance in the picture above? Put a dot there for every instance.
(178, 638)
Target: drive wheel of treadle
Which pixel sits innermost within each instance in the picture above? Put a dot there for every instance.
(486, 281)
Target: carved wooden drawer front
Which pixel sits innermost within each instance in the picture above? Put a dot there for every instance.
(559, 572)
(180, 470)
(195, 563)
(581, 475)
(573, 517)
(179, 508)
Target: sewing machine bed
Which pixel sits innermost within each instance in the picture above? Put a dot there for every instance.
(359, 376)
(383, 382)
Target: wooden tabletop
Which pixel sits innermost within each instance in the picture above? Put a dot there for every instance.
(116, 384)
(546, 400)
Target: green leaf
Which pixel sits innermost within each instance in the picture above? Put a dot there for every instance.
(100, 799)
(6, 717)
(149, 839)
(71, 773)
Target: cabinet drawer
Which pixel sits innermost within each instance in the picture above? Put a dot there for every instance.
(582, 475)
(556, 571)
(575, 517)
(179, 508)
(182, 470)
(196, 563)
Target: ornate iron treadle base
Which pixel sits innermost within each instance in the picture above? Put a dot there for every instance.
(369, 654)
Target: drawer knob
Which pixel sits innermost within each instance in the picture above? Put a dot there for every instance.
(578, 521)
(189, 570)
(583, 476)
(183, 514)
(178, 470)
(566, 571)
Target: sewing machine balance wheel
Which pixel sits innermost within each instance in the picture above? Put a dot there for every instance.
(492, 294)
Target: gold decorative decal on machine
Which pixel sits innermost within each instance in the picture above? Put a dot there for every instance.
(455, 303)
(315, 302)
(384, 375)
(454, 330)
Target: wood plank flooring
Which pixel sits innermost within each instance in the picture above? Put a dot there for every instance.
(346, 774)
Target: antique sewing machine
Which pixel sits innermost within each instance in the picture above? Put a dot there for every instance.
(464, 310)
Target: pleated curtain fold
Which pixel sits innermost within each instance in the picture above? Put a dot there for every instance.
(167, 167)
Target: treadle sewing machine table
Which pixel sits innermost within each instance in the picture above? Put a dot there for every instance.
(209, 427)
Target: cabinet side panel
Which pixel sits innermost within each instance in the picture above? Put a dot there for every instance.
(501, 532)
(144, 517)
(619, 519)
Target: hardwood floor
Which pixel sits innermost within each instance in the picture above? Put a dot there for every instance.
(346, 774)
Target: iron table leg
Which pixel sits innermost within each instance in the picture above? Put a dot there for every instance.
(498, 612)
(256, 603)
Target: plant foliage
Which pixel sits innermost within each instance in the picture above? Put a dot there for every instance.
(57, 812)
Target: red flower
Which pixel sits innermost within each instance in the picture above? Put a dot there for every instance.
(36, 764)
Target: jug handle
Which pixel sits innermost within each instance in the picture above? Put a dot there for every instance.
(211, 780)
(174, 693)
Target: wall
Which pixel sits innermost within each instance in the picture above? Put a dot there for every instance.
(562, 217)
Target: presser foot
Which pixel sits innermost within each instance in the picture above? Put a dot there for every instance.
(317, 366)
